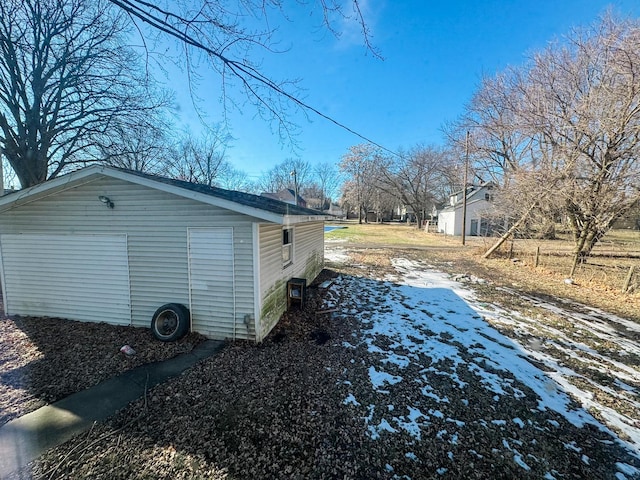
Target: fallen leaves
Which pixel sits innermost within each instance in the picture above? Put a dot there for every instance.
(45, 359)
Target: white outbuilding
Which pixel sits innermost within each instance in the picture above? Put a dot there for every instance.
(479, 213)
(103, 244)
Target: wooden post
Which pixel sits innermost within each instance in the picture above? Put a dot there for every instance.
(536, 262)
(464, 189)
(627, 280)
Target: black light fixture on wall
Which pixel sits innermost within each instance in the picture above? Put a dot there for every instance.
(106, 200)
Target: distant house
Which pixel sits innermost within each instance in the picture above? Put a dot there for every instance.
(286, 195)
(104, 244)
(479, 210)
(404, 213)
(335, 210)
(375, 216)
(315, 203)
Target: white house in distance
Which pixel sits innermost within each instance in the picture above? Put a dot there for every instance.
(336, 211)
(104, 244)
(479, 208)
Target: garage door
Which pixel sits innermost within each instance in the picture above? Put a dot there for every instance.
(80, 277)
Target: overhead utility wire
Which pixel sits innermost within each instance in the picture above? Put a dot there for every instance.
(236, 67)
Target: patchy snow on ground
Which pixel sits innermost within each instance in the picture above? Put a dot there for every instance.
(601, 328)
(420, 325)
(335, 255)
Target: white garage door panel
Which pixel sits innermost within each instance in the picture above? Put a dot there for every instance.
(211, 272)
(81, 277)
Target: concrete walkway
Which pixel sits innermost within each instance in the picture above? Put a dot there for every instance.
(24, 439)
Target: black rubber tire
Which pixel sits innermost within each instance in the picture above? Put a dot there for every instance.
(170, 322)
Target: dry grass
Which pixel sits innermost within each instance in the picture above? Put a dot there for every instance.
(385, 234)
(597, 283)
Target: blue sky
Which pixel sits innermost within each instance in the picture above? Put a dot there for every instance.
(435, 53)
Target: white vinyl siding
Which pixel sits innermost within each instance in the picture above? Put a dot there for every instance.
(308, 257)
(308, 250)
(447, 222)
(272, 274)
(450, 221)
(156, 224)
(478, 207)
(84, 277)
(211, 272)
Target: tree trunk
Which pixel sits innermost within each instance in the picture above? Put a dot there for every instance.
(586, 240)
(29, 170)
(574, 265)
(509, 232)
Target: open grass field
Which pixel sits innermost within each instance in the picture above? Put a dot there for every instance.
(618, 241)
(599, 281)
(384, 234)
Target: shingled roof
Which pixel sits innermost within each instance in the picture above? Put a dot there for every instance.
(248, 199)
(239, 201)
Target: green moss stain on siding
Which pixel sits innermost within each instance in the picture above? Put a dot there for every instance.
(275, 304)
(313, 266)
(275, 300)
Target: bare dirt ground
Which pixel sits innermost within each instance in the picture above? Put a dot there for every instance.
(306, 403)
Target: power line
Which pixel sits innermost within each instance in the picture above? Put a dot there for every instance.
(239, 70)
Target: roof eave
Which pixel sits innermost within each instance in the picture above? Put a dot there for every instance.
(293, 219)
(92, 172)
(197, 196)
(42, 190)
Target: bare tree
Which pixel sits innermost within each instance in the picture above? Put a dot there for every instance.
(328, 179)
(585, 106)
(67, 80)
(355, 199)
(200, 160)
(360, 165)
(232, 178)
(578, 105)
(489, 130)
(382, 201)
(9, 179)
(143, 149)
(417, 179)
(292, 173)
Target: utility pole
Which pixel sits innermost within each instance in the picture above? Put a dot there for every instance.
(294, 174)
(464, 188)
